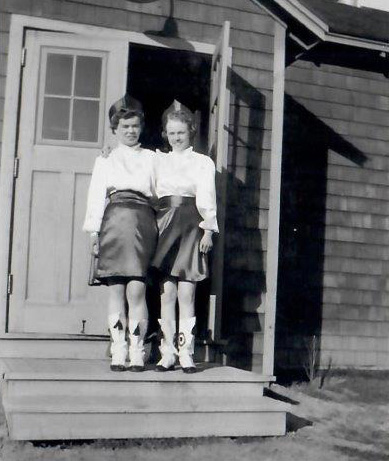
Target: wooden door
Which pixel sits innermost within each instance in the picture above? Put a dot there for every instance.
(218, 150)
(68, 84)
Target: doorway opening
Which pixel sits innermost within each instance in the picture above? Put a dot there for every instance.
(157, 76)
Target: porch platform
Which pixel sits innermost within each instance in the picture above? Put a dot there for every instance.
(50, 399)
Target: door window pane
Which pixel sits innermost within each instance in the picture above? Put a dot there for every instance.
(85, 120)
(59, 71)
(55, 123)
(70, 97)
(88, 76)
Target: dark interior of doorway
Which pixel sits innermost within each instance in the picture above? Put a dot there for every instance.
(157, 76)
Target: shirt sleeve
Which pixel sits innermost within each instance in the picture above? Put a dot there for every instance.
(96, 196)
(206, 195)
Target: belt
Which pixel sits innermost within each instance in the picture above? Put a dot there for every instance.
(121, 196)
(175, 201)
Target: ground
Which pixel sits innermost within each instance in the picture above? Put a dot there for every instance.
(346, 417)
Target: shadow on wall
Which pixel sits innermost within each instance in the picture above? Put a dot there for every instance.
(307, 141)
(244, 277)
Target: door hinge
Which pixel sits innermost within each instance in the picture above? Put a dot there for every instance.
(16, 167)
(10, 283)
(23, 59)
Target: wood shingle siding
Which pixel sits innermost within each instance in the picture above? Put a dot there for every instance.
(337, 122)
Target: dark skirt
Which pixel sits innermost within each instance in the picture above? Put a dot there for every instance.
(177, 252)
(128, 237)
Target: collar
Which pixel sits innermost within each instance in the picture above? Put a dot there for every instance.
(136, 148)
(188, 150)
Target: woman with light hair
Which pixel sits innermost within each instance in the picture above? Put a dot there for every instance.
(186, 219)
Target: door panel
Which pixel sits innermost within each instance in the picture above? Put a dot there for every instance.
(68, 82)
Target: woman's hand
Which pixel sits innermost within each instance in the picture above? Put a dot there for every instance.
(94, 243)
(105, 151)
(206, 243)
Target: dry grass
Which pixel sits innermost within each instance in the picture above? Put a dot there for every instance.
(346, 419)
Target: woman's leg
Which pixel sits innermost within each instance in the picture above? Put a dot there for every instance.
(186, 298)
(186, 302)
(168, 298)
(136, 297)
(168, 324)
(137, 322)
(117, 325)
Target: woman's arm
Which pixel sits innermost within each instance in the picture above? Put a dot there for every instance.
(206, 195)
(96, 196)
(206, 203)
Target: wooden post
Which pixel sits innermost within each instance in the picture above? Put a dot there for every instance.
(218, 148)
(274, 198)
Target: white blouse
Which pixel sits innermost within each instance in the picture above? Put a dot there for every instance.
(124, 168)
(189, 174)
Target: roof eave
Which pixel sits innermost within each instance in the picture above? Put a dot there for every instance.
(321, 29)
(341, 39)
(304, 16)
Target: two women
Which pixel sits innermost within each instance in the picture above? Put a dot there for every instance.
(184, 182)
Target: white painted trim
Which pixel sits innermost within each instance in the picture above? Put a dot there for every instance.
(274, 198)
(320, 28)
(305, 16)
(223, 55)
(358, 42)
(10, 129)
(109, 34)
(7, 156)
(381, 5)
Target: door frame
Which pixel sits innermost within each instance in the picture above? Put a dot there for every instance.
(19, 23)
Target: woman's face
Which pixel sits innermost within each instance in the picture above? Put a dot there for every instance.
(178, 135)
(128, 131)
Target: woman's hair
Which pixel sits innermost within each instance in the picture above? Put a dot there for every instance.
(126, 114)
(181, 116)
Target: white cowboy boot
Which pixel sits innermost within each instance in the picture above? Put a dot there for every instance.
(116, 327)
(167, 349)
(186, 344)
(137, 332)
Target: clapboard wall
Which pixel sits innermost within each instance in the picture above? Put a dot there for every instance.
(334, 235)
(251, 84)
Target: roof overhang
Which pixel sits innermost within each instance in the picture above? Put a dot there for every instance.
(307, 18)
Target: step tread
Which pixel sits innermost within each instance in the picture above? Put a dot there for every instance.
(98, 370)
(155, 404)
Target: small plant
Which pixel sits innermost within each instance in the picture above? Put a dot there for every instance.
(311, 362)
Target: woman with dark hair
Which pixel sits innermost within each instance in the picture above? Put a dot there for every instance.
(123, 232)
(186, 219)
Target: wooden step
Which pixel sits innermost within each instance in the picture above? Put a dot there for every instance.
(77, 399)
(98, 370)
(44, 426)
(78, 347)
(92, 404)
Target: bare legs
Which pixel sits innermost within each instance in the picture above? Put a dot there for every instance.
(173, 289)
